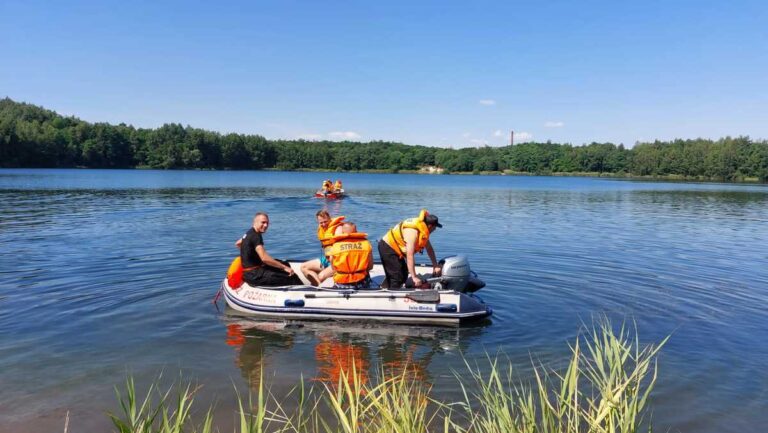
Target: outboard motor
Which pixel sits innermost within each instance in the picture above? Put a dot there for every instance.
(457, 276)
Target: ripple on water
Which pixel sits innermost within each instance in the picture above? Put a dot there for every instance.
(103, 274)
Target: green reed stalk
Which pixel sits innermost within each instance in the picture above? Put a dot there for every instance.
(155, 414)
(604, 388)
(397, 404)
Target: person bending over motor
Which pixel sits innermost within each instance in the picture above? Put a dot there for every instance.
(351, 258)
(317, 270)
(400, 243)
(259, 268)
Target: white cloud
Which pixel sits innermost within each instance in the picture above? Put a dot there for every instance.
(487, 102)
(344, 135)
(498, 133)
(522, 137)
(466, 135)
(552, 124)
(478, 142)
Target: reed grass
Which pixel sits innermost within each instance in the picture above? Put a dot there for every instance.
(158, 411)
(604, 388)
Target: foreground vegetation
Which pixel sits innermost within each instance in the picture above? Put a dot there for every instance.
(603, 389)
(31, 136)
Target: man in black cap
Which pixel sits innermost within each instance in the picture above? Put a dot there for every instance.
(400, 243)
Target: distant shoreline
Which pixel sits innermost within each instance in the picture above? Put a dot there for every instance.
(625, 176)
(32, 136)
(620, 176)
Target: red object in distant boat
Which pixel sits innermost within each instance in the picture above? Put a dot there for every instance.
(330, 195)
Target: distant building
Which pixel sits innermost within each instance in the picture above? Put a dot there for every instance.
(431, 169)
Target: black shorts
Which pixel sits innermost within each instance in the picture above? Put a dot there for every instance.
(364, 284)
(395, 268)
(269, 276)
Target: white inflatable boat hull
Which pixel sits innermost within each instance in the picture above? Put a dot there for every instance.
(443, 307)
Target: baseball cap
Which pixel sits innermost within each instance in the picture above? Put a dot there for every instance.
(432, 220)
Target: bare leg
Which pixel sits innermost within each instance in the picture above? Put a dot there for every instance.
(310, 269)
(324, 274)
(313, 278)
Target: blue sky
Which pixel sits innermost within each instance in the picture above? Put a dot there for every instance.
(436, 73)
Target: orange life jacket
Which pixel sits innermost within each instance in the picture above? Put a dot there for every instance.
(325, 236)
(337, 185)
(395, 239)
(351, 255)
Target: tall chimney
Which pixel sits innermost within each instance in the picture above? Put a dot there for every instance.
(511, 138)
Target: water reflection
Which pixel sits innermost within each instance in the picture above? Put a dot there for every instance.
(253, 342)
(337, 355)
(366, 350)
(88, 255)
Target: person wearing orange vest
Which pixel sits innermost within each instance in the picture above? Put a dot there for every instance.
(317, 270)
(400, 243)
(327, 187)
(337, 187)
(351, 258)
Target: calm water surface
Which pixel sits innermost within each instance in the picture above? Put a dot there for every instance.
(108, 272)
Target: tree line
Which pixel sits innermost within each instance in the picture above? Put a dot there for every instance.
(31, 136)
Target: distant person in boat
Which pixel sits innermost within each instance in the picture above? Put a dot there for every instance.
(327, 187)
(337, 187)
(399, 245)
(260, 268)
(351, 258)
(327, 228)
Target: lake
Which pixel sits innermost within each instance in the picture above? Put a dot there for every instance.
(105, 273)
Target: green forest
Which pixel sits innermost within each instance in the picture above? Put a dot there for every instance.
(31, 136)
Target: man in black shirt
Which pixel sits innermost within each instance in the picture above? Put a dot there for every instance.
(259, 268)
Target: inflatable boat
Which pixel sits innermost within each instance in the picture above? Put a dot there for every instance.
(331, 195)
(449, 300)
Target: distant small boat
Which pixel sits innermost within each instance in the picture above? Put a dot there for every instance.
(331, 195)
(449, 301)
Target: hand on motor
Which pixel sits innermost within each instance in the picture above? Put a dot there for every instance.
(289, 270)
(418, 282)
